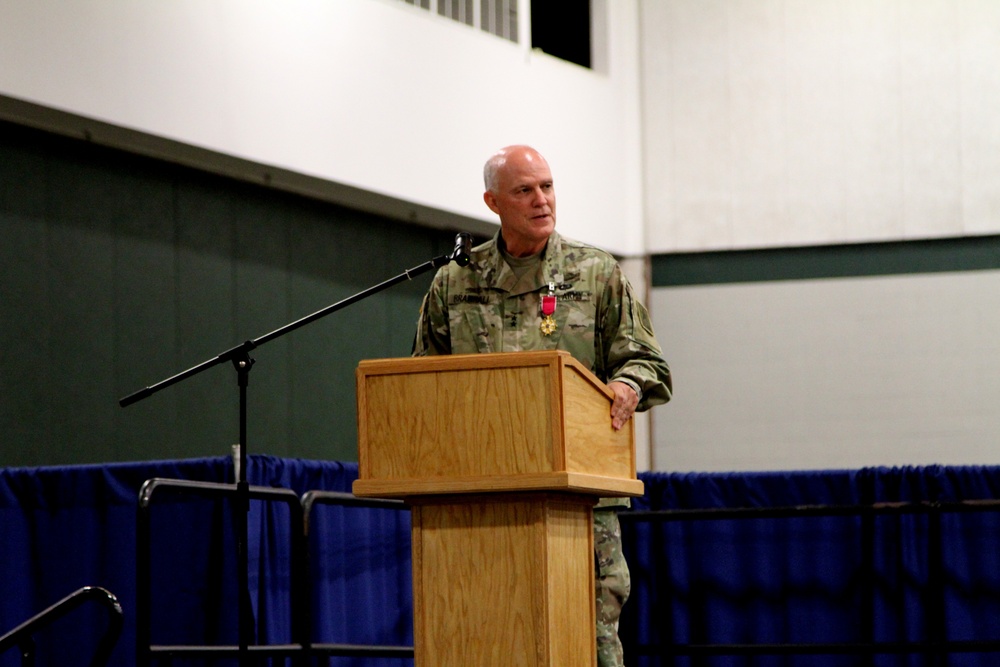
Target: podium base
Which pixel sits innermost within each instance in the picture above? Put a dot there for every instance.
(504, 580)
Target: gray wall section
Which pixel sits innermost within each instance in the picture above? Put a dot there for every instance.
(831, 373)
(119, 271)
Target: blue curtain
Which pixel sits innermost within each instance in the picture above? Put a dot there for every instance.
(846, 578)
(64, 528)
(854, 578)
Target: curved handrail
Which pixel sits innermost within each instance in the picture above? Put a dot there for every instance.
(21, 635)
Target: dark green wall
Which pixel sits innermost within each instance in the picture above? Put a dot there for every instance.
(118, 271)
(971, 253)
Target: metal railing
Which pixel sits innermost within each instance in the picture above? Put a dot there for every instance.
(146, 651)
(301, 649)
(309, 500)
(301, 509)
(23, 636)
(936, 644)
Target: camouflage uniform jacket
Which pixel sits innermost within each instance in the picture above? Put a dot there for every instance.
(479, 309)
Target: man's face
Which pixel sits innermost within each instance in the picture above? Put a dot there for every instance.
(525, 200)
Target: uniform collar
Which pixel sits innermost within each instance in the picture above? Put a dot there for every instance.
(496, 272)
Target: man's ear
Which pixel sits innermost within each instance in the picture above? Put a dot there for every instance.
(491, 201)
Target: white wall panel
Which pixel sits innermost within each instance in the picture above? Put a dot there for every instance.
(775, 123)
(837, 373)
(979, 28)
(694, 125)
(813, 144)
(757, 100)
(869, 60)
(931, 86)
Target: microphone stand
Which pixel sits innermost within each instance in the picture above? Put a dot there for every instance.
(242, 362)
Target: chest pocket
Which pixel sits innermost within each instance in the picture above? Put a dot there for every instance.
(473, 322)
(576, 314)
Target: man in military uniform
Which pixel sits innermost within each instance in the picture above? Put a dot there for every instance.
(531, 289)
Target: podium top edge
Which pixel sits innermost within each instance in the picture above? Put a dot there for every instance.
(468, 361)
(491, 360)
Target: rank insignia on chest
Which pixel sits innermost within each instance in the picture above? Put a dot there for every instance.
(548, 325)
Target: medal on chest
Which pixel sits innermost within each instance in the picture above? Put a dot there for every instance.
(548, 325)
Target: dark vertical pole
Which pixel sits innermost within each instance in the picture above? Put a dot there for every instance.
(143, 603)
(301, 578)
(867, 594)
(243, 363)
(935, 600)
(27, 647)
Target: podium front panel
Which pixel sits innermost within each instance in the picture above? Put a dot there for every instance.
(460, 424)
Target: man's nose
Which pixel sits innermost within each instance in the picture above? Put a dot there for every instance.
(539, 198)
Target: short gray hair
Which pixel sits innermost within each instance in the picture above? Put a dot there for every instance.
(490, 169)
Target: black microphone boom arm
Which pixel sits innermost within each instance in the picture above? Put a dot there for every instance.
(460, 255)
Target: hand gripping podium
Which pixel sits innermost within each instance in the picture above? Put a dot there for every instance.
(501, 458)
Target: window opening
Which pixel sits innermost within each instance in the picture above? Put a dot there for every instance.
(562, 29)
(497, 17)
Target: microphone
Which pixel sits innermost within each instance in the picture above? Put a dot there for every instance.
(462, 253)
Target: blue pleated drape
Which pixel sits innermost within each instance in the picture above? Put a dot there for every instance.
(817, 579)
(846, 578)
(64, 528)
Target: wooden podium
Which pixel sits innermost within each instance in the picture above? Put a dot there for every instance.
(501, 458)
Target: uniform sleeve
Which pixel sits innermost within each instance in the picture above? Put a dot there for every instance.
(432, 336)
(631, 352)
